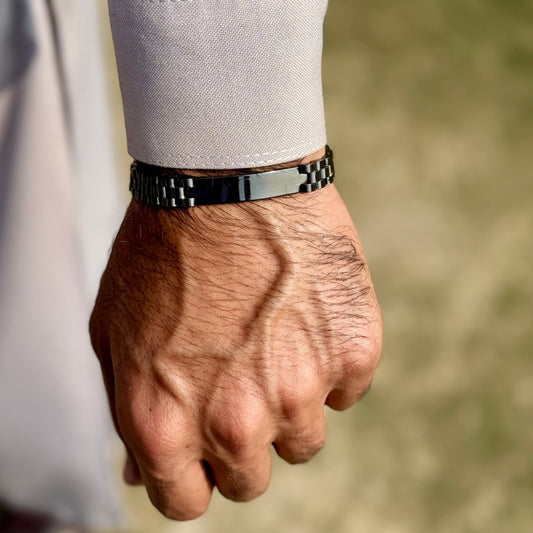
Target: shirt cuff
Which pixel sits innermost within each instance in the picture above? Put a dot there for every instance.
(220, 83)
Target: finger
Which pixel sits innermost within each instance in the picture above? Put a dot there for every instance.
(237, 447)
(353, 383)
(164, 443)
(244, 477)
(103, 354)
(131, 473)
(356, 375)
(344, 397)
(183, 494)
(302, 437)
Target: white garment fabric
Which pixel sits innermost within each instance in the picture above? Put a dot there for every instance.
(220, 83)
(58, 210)
(206, 84)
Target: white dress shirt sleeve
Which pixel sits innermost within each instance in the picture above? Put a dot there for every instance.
(220, 83)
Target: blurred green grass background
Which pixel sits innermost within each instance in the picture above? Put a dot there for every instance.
(429, 107)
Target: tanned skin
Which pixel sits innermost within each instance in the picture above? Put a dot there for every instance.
(224, 329)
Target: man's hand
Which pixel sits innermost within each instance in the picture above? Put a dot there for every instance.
(223, 329)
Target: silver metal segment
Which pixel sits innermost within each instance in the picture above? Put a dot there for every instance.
(163, 187)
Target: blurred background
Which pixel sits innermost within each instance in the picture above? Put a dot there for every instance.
(429, 108)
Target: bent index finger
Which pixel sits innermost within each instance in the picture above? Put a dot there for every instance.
(184, 493)
(172, 471)
(102, 349)
(164, 442)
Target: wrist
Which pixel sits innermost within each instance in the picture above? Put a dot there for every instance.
(172, 188)
(311, 158)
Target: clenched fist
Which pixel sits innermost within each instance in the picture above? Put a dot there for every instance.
(224, 329)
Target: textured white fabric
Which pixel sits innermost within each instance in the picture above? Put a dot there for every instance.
(55, 430)
(220, 83)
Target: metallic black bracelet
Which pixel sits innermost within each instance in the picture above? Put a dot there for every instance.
(166, 187)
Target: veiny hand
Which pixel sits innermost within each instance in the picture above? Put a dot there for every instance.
(223, 329)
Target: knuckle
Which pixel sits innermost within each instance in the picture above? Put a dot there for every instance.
(251, 493)
(304, 449)
(236, 430)
(293, 459)
(245, 491)
(182, 513)
(361, 352)
(148, 440)
(149, 429)
(361, 364)
(256, 490)
(291, 406)
(295, 398)
(175, 503)
(363, 379)
(311, 445)
(301, 443)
